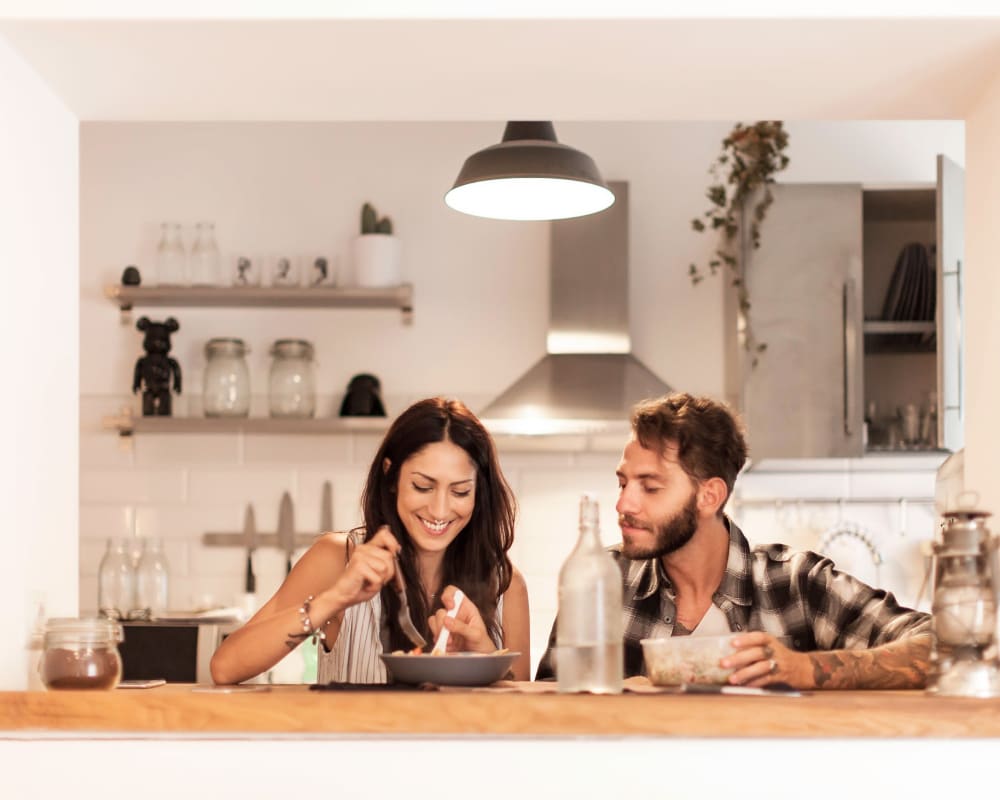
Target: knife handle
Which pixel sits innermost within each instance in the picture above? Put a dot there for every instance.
(251, 579)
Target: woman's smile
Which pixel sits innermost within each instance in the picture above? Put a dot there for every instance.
(434, 527)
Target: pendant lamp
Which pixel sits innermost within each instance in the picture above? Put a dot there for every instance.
(529, 176)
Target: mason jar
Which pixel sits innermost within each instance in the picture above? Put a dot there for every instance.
(292, 384)
(81, 654)
(226, 388)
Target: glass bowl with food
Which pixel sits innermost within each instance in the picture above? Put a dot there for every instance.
(687, 659)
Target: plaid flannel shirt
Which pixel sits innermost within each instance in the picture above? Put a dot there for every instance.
(798, 597)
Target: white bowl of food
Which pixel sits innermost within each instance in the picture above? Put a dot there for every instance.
(687, 659)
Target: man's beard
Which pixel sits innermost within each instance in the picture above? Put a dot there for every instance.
(668, 536)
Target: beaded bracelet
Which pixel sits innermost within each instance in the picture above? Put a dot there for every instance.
(308, 629)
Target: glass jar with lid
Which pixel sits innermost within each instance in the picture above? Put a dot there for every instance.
(226, 383)
(81, 654)
(292, 384)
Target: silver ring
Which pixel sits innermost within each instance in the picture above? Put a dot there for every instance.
(773, 667)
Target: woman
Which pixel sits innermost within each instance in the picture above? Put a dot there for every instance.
(437, 507)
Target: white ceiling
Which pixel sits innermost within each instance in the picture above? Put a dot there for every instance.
(628, 69)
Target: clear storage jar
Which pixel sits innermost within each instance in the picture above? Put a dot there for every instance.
(81, 654)
(292, 384)
(226, 384)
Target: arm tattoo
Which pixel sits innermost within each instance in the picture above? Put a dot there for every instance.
(904, 664)
(295, 639)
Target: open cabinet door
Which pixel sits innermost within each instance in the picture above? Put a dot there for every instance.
(803, 399)
(950, 324)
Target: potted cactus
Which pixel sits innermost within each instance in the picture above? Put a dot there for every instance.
(376, 251)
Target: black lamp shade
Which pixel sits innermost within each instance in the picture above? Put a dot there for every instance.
(529, 176)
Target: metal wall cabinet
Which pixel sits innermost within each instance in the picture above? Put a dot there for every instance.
(836, 365)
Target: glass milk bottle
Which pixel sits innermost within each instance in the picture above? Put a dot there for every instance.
(206, 264)
(152, 581)
(589, 651)
(171, 260)
(116, 580)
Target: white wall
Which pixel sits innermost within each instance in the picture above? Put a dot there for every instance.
(982, 293)
(39, 467)
(481, 296)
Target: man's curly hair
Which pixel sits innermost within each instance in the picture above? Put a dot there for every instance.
(709, 436)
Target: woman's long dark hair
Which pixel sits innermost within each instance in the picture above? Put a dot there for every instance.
(476, 561)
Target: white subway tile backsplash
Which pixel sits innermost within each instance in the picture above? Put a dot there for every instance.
(896, 462)
(540, 444)
(98, 523)
(187, 523)
(608, 442)
(165, 449)
(891, 484)
(347, 484)
(363, 448)
(237, 487)
(606, 461)
(295, 450)
(102, 449)
(785, 485)
(226, 561)
(124, 486)
(511, 461)
(269, 567)
(799, 466)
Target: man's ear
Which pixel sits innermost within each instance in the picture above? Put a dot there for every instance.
(712, 495)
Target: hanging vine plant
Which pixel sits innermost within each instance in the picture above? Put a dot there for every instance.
(751, 156)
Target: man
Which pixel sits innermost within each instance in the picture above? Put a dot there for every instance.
(687, 568)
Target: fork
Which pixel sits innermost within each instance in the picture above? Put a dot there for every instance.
(403, 617)
(441, 645)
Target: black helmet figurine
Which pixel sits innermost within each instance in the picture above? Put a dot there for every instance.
(363, 398)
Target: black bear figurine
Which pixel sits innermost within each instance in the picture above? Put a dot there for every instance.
(154, 370)
(363, 398)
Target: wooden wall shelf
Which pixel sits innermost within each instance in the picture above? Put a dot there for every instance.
(127, 424)
(392, 297)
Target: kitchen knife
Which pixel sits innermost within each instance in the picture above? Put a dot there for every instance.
(326, 509)
(286, 530)
(250, 542)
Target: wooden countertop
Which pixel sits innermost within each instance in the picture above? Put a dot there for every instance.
(177, 709)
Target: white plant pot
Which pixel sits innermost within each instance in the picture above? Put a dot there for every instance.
(377, 260)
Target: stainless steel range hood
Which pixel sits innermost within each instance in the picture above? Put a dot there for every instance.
(589, 380)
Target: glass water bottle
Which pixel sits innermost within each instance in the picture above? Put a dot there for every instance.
(589, 652)
(116, 580)
(152, 581)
